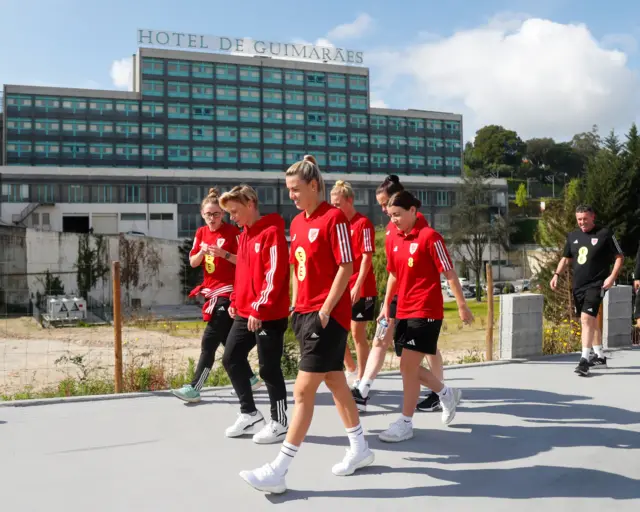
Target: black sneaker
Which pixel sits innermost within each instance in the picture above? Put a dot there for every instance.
(583, 367)
(598, 362)
(360, 401)
(430, 404)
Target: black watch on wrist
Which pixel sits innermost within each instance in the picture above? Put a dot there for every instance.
(227, 256)
(291, 309)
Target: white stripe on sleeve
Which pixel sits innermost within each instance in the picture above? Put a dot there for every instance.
(615, 242)
(367, 240)
(345, 246)
(442, 255)
(273, 263)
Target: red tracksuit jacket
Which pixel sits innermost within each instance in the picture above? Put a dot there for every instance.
(261, 286)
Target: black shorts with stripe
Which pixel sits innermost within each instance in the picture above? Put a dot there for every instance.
(364, 310)
(418, 334)
(321, 349)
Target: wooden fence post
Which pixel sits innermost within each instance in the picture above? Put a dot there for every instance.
(489, 333)
(117, 325)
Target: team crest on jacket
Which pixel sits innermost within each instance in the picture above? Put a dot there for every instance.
(221, 242)
(257, 247)
(594, 241)
(313, 234)
(413, 248)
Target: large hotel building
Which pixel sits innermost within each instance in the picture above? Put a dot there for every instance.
(114, 161)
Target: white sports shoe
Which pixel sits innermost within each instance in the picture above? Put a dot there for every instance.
(353, 461)
(245, 424)
(398, 431)
(449, 403)
(265, 479)
(272, 432)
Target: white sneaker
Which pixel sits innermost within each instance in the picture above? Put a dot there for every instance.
(272, 432)
(265, 479)
(353, 461)
(398, 431)
(245, 424)
(449, 403)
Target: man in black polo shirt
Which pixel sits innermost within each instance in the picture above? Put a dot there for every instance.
(591, 249)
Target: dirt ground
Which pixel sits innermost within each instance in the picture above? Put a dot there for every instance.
(30, 355)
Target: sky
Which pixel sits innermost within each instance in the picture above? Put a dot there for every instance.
(545, 68)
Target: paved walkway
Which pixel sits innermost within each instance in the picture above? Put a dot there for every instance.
(531, 436)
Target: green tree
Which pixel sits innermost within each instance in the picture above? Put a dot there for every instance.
(612, 143)
(587, 144)
(521, 196)
(496, 151)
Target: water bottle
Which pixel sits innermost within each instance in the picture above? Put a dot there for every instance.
(382, 329)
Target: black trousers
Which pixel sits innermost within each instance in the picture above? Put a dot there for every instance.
(215, 334)
(270, 341)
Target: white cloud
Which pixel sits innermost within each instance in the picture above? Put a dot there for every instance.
(357, 28)
(376, 101)
(122, 73)
(533, 75)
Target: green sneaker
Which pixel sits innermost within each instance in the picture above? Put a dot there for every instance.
(187, 393)
(255, 382)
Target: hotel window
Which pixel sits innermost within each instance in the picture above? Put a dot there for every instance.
(379, 160)
(452, 145)
(337, 100)
(152, 131)
(272, 116)
(44, 193)
(204, 133)
(295, 138)
(337, 81)
(74, 150)
(47, 126)
(273, 157)
(178, 132)
(100, 151)
(416, 162)
(101, 106)
(358, 102)
(452, 162)
(250, 115)
(74, 105)
(153, 152)
(226, 93)
(14, 193)
(153, 87)
(294, 77)
(178, 111)
(152, 109)
(379, 141)
(358, 120)
(102, 194)
(202, 91)
(360, 140)
(177, 68)
(338, 139)
(271, 76)
(250, 156)
(249, 74)
(398, 161)
(18, 148)
(202, 70)
(321, 158)
(378, 122)
(226, 71)
(250, 135)
(227, 113)
(435, 143)
(416, 143)
(338, 159)
(178, 89)
(316, 99)
(226, 134)
(434, 126)
(229, 156)
(397, 142)
(316, 118)
(338, 120)
(47, 149)
(272, 96)
(73, 127)
(127, 108)
(47, 104)
(397, 123)
(151, 66)
(358, 83)
(132, 193)
(316, 79)
(101, 128)
(159, 194)
(294, 117)
(434, 162)
(251, 94)
(18, 126)
(273, 136)
(202, 112)
(127, 151)
(18, 103)
(359, 159)
(293, 157)
(127, 129)
(452, 127)
(204, 155)
(316, 139)
(294, 98)
(416, 125)
(76, 193)
(178, 153)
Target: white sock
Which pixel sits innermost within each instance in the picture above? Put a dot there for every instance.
(284, 458)
(356, 438)
(586, 352)
(364, 387)
(443, 391)
(407, 419)
(598, 350)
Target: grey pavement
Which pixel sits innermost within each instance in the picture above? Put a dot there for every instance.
(531, 436)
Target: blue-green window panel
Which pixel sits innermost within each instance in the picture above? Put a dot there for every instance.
(273, 96)
(75, 105)
(177, 68)
(227, 156)
(159, 194)
(338, 120)
(178, 89)
(127, 151)
(226, 71)
(101, 128)
(152, 131)
(338, 139)
(316, 99)
(250, 94)
(153, 109)
(250, 156)
(203, 154)
(226, 93)
(204, 133)
(19, 148)
(273, 116)
(151, 66)
(47, 104)
(127, 108)
(47, 126)
(152, 87)
(249, 135)
(316, 119)
(359, 159)
(338, 159)
(226, 134)
(358, 102)
(294, 117)
(178, 110)
(202, 112)
(337, 100)
(44, 193)
(294, 98)
(202, 91)
(315, 79)
(74, 127)
(294, 77)
(100, 151)
(273, 136)
(271, 76)
(358, 83)
(178, 132)
(295, 138)
(250, 115)
(321, 158)
(337, 81)
(153, 152)
(416, 162)
(249, 74)
(47, 149)
(273, 157)
(202, 70)
(16, 102)
(74, 149)
(19, 126)
(128, 130)
(178, 153)
(227, 113)
(100, 106)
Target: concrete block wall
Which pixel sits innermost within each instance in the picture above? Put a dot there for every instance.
(520, 325)
(616, 317)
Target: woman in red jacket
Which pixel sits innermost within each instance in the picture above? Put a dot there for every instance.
(323, 263)
(214, 247)
(260, 308)
(418, 257)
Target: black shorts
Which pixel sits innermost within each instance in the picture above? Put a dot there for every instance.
(321, 350)
(364, 310)
(587, 301)
(419, 334)
(393, 307)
